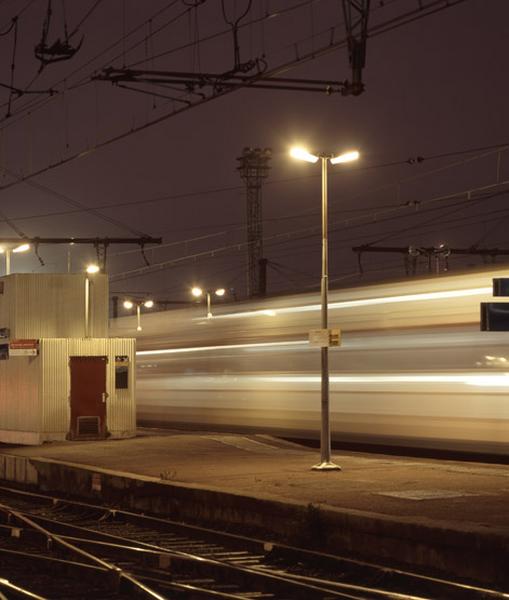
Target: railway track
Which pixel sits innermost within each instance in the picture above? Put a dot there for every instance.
(56, 548)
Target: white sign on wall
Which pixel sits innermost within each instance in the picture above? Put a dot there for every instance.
(23, 347)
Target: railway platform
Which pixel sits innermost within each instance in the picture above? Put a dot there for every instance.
(441, 517)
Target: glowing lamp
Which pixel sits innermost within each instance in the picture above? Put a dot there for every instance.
(302, 154)
(345, 157)
(91, 269)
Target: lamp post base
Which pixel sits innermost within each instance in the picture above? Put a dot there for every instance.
(326, 466)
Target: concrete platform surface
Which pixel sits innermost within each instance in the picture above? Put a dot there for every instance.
(413, 496)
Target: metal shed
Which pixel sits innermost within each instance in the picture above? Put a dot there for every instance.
(61, 377)
(68, 388)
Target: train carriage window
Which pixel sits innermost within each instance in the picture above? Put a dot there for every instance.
(121, 372)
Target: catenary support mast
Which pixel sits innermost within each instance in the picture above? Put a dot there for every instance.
(254, 168)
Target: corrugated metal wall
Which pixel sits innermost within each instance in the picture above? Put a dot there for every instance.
(44, 305)
(20, 400)
(121, 404)
(55, 386)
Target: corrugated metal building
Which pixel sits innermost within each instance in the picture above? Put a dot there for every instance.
(57, 382)
(37, 305)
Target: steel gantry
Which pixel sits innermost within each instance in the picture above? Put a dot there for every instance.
(254, 168)
(100, 244)
(255, 72)
(356, 13)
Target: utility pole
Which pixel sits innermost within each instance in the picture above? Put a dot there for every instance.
(254, 168)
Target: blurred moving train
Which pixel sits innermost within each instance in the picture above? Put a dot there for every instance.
(413, 368)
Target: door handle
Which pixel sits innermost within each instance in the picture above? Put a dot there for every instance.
(104, 395)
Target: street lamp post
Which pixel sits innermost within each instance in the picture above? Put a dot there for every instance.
(91, 269)
(8, 250)
(138, 303)
(197, 292)
(325, 463)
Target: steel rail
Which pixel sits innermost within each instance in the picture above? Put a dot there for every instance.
(19, 591)
(115, 573)
(308, 584)
(266, 547)
(313, 584)
(52, 564)
(278, 579)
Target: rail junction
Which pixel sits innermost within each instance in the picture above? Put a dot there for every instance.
(86, 549)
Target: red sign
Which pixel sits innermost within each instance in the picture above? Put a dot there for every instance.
(23, 347)
(23, 344)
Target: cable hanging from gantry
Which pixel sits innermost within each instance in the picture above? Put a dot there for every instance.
(39, 257)
(238, 77)
(144, 256)
(60, 49)
(101, 250)
(16, 92)
(238, 66)
(13, 65)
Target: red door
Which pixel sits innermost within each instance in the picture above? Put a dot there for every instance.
(88, 397)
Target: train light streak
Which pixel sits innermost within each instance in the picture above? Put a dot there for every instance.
(223, 347)
(421, 297)
(491, 379)
(413, 366)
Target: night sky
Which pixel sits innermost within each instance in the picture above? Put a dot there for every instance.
(436, 88)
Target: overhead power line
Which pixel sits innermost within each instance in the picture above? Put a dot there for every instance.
(72, 202)
(436, 256)
(283, 237)
(101, 244)
(424, 9)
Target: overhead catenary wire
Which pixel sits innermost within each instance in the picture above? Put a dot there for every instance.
(27, 87)
(39, 103)
(13, 66)
(71, 201)
(440, 4)
(240, 245)
(464, 194)
(265, 16)
(336, 226)
(23, 10)
(84, 18)
(485, 151)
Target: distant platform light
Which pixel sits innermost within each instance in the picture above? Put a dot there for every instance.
(91, 269)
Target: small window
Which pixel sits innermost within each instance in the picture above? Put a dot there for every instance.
(121, 372)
